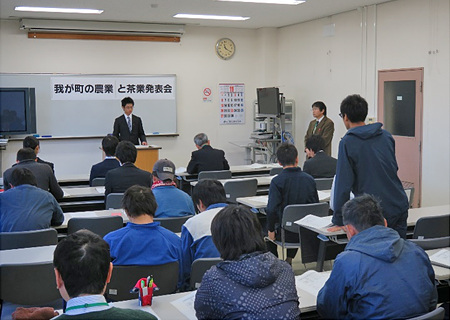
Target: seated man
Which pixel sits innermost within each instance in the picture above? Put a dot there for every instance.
(142, 241)
(319, 164)
(172, 202)
(206, 158)
(379, 275)
(25, 207)
(209, 197)
(83, 269)
(291, 186)
(99, 170)
(33, 143)
(45, 179)
(120, 179)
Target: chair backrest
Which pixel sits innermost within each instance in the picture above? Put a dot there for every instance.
(275, 171)
(217, 175)
(432, 227)
(124, 278)
(98, 182)
(198, 269)
(432, 243)
(295, 212)
(240, 188)
(437, 314)
(27, 239)
(173, 224)
(324, 183)
(113, 201)
(28, 284)
(99, 225)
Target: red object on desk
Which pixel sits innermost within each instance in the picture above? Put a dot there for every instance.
(116, 214)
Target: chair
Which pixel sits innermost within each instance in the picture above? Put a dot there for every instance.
(432, 243)
(436, 314)
(173, 224)
(275, 171)
(28, 239)
(432, 227)
(198, 269)
(296, 212)
(98, 182)
(324, 183)
(240, 188)
(99, 225)
(114, 201)
(217, 175)
(125, 277)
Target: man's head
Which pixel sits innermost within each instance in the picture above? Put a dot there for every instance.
(127, 105)
(126, 152)
(31, 142)
(25, 154)
(319, 109)
(287, 154)
(314, 144)
(354, 109)
(82, 264)
(109, 145)
(21, 176)
(362, 213)
(200, 140)
(138, 201)
(164, 170)
(207, 192)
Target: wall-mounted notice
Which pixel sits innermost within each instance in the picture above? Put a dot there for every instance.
(232, 105)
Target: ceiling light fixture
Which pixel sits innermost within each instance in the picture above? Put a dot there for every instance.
(59, 10)
(290, 2)
(209, 17)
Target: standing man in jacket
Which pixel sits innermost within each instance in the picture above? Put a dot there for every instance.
(129, 126)
(322, 126)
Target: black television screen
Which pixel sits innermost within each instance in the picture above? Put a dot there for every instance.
(17, 111)
(268, 102)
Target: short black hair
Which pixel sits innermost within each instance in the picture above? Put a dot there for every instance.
(126, 152)
(109, 145)
(355, 107)
(363, 212)
(82, 258)
(139, 200)
(236, 231)
(25, 154)
(287, 154)
(21, 176)
(315, 143)
(321, 106)
(30, 142)
(126, 101)
(209, 191)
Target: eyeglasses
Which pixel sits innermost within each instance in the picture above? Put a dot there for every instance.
(341, 115)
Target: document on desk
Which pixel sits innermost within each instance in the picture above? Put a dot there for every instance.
(262, 199)
(314, 222)
(100, 190)
(186, 305)
(441, 258)
(324, 195)
(311, 281)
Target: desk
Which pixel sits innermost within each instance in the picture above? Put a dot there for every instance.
(91, 214)
(27, 255)
(260, 202)
(415, 214)
(82, 198)
(262, 181)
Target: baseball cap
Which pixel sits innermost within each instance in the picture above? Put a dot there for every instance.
(165, 169)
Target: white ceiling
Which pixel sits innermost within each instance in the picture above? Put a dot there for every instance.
(162, 11)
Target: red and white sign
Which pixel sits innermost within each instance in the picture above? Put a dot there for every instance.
(207, 95)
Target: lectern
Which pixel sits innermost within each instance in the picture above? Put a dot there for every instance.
(146, 157)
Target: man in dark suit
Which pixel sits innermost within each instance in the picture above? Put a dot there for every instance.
(321, 125)
(206, 158)
(26, 158)
(129, 127)
(120, 179)
(319, 164)
(33, 143)
(99, 170)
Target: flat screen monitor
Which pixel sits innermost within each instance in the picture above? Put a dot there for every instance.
(17, 111)
(269, 104)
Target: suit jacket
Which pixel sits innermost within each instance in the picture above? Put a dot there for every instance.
(100, 169)
(52, 166)
(320, 166)
(44, 177)
(120, 179)
(122, 132)
(324, 129)
(207, 159)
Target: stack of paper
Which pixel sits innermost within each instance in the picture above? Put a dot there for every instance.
(441, 258)
(315, 222)
(311, 281)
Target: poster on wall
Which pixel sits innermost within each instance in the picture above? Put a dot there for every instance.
(232, 106)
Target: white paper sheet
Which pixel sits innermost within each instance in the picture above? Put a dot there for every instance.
(186, 305)
(262, 199)
(311, 281)
(315, 222)
(100, 189)
(441, 258)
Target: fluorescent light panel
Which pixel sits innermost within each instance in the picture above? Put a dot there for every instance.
(58, 10)
(291, 2)
(209, 17)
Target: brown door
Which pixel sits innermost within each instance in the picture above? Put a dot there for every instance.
(400, 102)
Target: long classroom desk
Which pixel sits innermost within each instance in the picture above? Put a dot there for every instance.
(82, 199)
(92, 214)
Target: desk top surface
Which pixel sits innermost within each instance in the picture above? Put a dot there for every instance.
(248, 168)
(92, 214)
(262, 180)
(72, 192)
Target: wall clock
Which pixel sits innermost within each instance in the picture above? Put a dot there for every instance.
(225, 48)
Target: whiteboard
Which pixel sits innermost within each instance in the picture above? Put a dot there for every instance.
(84, 117)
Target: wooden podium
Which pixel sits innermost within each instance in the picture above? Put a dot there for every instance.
(146, 157)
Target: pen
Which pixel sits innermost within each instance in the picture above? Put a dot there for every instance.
(148, 281)
(151, 281)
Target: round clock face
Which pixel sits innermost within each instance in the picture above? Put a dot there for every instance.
(225, 48)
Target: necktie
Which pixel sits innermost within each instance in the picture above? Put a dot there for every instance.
(315, 127)
(129, 123)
